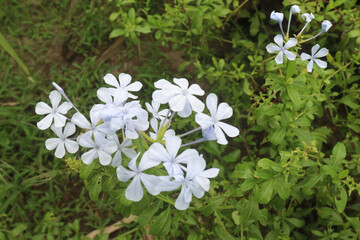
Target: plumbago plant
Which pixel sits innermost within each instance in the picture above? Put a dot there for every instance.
(298, 177)
(116, 133)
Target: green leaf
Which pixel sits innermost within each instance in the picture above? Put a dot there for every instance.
(264, 194)
(7, 47)
(268, 164)
(293, 93)
(233, 156)
(250, 209)
(302, 121)
(354, 33)
(290, 69)
(131, 16)
(212, 205)
(296, 222)
(95, 187)
(149, 212)
(243, 170)
(277, 136)
(341, 204)
(236, 217)
(85, 170)
(117, 32)
(143, 29)
(283, 188)
(303, 135)
(312, 181)
(339, 151)
(222, 233)
(161, 226)
(114, 16)
(330, 215)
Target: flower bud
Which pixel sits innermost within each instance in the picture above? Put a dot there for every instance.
(325, 25)
(277, 16)
(294, 9)
(308, 17)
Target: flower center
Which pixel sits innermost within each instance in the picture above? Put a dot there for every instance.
(185, 92)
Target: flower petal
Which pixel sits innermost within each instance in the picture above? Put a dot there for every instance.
(210, 173)
(123, 174)
(187, 155)
(195, 89)
(124, 79)
(196, 104)
(177, 102)
(187, 111)
(69, 129)
(134, 87)
(60, 150)
(173, 144)
(57, 130)
(52, 143)
(204, 120)
(134, 191)
(224, 111)
(80, 120)
(211, 103)
(71, 146)
(314, 49)
(104, 158)
(104, 95)
(231, 131)
(42, 108)
(150, 182)
(195, 167)
(111, 80)
(117, 159)
(291, 43)
(180, 202)
(290, 55)
(159, 153)
(221, 139)
(279, 40)
(322, 53)
(147, 161)
(279, 57)
(64, 108)
(55, 98)
(272, 48)
(321, 63)
(45, 122)
(305, 56)
(89, 156)
(183, 83)
(59, 120)
(309, 66)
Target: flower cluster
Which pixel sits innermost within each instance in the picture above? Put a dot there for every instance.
(296, 40)
(120, 119)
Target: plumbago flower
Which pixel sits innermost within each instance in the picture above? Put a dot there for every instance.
(217, 113)
(134, 191)
(283, 49)
(62, 141)
(119, 121)
(313, 58)
(55, 113)
(195, 183)
(181, 97)
(279, 40)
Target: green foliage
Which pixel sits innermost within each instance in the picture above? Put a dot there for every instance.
(292, 174)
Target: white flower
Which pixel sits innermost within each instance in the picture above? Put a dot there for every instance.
(279, 40)
(308, 17)
(294, 9)
(325, 25)
(209, 133)
(62, 141)
(99, 130)
(154, 110)
(134, 191)
(313, 58)
(180, 98)
(169, 157)
(195, 183)
(123, 83)
(124, 147)
(101, 148)
(279, 17)
(56, 112)
(218, 113)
